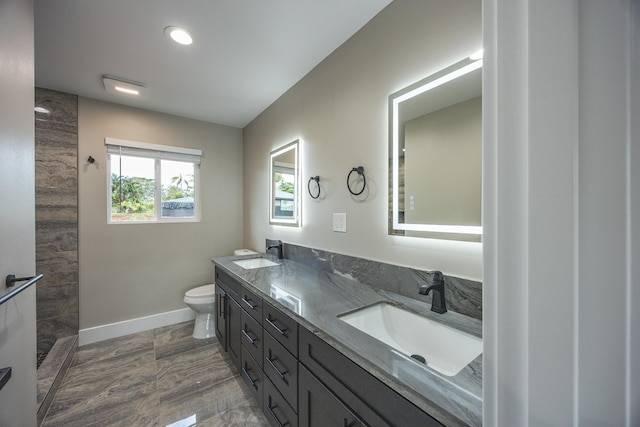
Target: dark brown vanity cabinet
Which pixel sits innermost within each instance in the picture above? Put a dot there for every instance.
(297, 377)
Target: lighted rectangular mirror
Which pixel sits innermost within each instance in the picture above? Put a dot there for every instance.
(435, 149)
(284, 185)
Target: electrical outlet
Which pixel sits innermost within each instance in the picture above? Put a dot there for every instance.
(340, 222)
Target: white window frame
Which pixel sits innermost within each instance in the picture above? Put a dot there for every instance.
(157, 152)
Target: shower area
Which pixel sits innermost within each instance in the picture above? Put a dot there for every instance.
(56, 200)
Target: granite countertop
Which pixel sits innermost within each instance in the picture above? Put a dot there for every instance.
(315, 300)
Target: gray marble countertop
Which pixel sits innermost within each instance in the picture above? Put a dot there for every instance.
(318, 297)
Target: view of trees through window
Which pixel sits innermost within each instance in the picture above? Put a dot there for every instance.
(284, 195)
(285, 182)
(134, 187)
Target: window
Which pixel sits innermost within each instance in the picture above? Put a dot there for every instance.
(151, 183)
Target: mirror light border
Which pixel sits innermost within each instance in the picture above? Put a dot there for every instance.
(448, 74)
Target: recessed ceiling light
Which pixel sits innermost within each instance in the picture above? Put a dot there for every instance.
(179, 35)
(119, 87)
(41, 110)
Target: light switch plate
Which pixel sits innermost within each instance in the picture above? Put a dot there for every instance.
(340, 222)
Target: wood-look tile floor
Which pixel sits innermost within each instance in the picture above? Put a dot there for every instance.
(162, 377)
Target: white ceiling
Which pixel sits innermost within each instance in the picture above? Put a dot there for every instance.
(246, 53)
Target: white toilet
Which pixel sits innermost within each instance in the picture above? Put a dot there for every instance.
(202, 300)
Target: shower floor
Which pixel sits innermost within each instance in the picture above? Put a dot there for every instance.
(51, 371)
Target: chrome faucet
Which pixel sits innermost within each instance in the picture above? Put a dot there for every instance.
(277, 244)
(438, 303)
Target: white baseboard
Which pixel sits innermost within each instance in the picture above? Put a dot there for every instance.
(126, 327)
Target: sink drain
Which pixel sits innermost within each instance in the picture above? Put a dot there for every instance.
(418, 358)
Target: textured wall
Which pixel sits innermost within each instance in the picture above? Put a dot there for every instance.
(56, 155)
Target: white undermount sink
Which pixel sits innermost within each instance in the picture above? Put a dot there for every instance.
(251, 263)
(445, 349)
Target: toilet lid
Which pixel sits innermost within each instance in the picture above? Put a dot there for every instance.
(206, 291)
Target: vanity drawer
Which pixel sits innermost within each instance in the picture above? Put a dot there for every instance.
(252, 375)
(373, 401)
(276, 408)
(232, 285)
(281, 327)
(282, 369)
(319, 407)
(251, 336)
(252, 303)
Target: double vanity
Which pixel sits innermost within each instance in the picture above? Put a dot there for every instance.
(318, 348)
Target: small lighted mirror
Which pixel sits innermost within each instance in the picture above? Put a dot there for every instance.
(435, 149)
(284, 188)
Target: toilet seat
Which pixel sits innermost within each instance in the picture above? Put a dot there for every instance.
(201, 294)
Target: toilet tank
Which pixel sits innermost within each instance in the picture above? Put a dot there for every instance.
(239, 252)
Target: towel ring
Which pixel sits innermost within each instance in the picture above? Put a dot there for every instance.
(360, 171)
(317, 180)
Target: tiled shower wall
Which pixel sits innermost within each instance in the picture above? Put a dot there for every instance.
(56, 170)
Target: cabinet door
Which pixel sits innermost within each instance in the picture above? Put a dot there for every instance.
(221, 316)
(318, 407)
(234, 347)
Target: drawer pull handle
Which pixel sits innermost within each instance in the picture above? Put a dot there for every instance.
(251, 380)
(247, 336)
(248, 302)
(273, 414)
(281, 374)
(280, 331)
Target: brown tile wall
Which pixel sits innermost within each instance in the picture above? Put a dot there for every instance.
(56, 155)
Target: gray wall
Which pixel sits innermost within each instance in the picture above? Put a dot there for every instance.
(56, 155)
(339, 110)
(443, 165)
(129, 271)
(17, 218)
